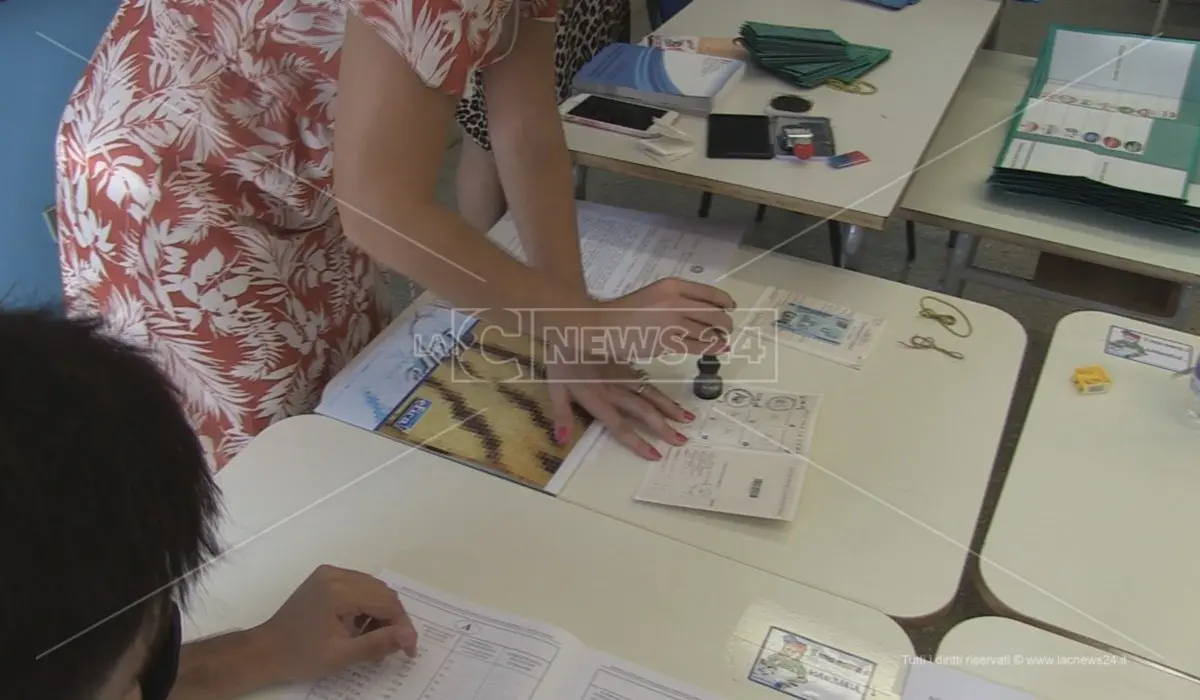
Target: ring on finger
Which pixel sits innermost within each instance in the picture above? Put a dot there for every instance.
(643, 380)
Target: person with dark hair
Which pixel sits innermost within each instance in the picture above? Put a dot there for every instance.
(107, 509)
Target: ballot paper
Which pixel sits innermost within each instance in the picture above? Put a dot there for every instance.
(814, 326)
(466, 650)
(928, 681)
(749, 418)
(726, 480)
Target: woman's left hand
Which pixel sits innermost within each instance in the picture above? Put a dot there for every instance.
(620, 398)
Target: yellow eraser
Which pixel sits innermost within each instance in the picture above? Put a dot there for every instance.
(1091, 380)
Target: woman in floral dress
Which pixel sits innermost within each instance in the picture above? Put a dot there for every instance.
(199, 213)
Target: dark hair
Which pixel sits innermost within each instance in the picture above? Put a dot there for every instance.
(106, 502)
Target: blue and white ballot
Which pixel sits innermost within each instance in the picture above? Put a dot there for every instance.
(814, 326)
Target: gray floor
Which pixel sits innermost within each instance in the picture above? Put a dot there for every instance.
(1022, 29)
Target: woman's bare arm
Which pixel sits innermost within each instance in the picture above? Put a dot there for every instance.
(389, 142)
(531, 152)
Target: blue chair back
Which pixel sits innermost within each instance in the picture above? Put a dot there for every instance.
(39, 66)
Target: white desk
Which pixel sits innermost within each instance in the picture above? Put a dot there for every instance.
(908, 442)
(950, 191)
(1097, 530)
(932, 42)
(1054, 667)
(311, 487)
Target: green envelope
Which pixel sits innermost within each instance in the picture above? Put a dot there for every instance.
(806, 56)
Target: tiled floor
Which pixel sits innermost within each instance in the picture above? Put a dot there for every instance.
(1022, 29)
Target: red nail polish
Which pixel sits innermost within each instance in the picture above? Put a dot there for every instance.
(689, 416)
(680, 438)
(655, 454)
(560, 434)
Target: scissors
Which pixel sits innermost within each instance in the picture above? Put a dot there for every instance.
(924, 342)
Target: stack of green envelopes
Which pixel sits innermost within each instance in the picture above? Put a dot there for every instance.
(808, 57)
(1110, 121)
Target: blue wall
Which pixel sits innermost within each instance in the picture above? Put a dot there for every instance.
(36, 76)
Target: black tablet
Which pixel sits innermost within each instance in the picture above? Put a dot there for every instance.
(746, 136)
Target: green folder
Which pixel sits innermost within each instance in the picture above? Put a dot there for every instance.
(806, 56)
(1098, 139)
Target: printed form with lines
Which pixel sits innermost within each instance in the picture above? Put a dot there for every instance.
(469, 652)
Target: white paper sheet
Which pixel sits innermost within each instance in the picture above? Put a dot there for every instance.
(928, 681)
(820, 328)
(726, 480)
(464, 651)
(603, 677)
(470, 651)
(625, 250)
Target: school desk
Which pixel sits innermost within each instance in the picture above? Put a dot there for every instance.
(932, 45)
(1051, 667)
(1096, 528)
(904, 448)
(950, 191)
(312, 491)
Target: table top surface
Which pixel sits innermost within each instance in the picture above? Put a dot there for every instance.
(905, 447)
(950, 190)
(892, 127)
(1096, 527)
(1053, 667)
(312, 491)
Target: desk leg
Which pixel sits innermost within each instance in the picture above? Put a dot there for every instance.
(851, 238)
(1187, 302)
(962, 250)
(581, 173)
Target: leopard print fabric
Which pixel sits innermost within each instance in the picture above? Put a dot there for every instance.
(584, 27)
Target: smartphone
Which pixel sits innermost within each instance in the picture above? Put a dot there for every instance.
(614, 115)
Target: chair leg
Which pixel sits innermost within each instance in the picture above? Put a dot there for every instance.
(910, 238)
(760, 214)
(705, 204)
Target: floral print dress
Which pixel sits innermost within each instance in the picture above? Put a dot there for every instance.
(195, 207)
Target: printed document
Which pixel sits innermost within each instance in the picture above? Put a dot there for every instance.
(469, 651)
(814, 326)
(726, 480)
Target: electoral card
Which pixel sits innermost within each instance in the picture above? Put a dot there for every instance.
(803, 668)
(751, 418)
(814, 326)
(726, 480)
(1152, 350)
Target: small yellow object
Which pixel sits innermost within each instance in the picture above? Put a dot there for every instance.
(1091, 380)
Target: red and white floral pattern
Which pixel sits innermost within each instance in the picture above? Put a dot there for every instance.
(194, 190)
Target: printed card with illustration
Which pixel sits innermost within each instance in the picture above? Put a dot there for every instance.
(1152, 350)
(800, 667)
(814, 326)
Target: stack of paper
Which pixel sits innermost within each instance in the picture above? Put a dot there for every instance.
(808, 57)
(1110, 121)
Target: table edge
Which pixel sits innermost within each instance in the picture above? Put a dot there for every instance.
(746, 194)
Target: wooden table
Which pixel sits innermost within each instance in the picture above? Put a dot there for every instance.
(1097, 527)
(893, 127)
(905, 448)
(1053, 667)
(313, 491)
(950, 191)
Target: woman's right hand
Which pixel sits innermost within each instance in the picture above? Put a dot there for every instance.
(668, 316)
